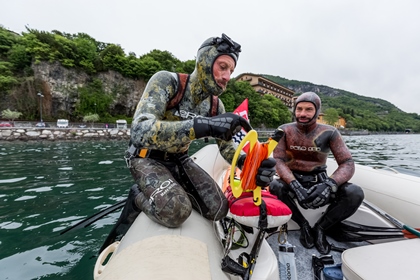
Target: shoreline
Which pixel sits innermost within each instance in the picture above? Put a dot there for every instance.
(70, 134)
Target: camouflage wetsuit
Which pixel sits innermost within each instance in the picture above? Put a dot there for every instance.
(302, 154)
(168, 183)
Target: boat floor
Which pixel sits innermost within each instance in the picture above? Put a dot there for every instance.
(303, 256)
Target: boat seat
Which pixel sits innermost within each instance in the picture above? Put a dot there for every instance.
(142, 260)
(392, 260)
(245, 212)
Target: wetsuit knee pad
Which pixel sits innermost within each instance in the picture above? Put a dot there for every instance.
(174, 211)
(353, 194)
(171, 204)
(171, 211)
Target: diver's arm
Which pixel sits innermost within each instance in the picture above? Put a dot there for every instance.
(227, 148)
(342, 155)
(148, 130)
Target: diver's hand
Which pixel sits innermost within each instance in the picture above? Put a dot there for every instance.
(223, 126)
(266, 172)
(300, 191)
(319, 194)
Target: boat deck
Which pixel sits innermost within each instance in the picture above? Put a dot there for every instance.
(303, 256)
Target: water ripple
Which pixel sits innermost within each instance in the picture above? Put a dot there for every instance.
(13, 180)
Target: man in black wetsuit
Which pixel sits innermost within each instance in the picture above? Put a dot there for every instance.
(176, 109)
(301, 157)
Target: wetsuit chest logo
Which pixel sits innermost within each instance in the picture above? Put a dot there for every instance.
(303, 148)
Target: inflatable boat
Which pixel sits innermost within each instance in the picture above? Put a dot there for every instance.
(203, 249)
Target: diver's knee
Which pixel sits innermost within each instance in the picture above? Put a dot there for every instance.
(175, 212)
(354, 194)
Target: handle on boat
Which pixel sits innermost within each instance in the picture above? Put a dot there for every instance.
(99, 265)
(252, 138)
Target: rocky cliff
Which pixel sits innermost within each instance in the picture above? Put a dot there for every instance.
(60, 88)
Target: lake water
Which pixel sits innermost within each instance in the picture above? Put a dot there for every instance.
(44, 186)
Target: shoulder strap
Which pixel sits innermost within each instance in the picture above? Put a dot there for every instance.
(214, 105)
(182, 85)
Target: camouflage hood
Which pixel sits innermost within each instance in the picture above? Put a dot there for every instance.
(203, 83)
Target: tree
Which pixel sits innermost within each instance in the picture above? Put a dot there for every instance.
(331, 116)
(165, 59)
(91, 118)
(7, 79)
(113, 57)
(10, 115)
(93, 98)
(186, 67)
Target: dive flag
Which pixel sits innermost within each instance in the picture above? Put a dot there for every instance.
(242, 111)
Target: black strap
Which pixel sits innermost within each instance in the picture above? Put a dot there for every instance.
(311, 178)
(214, 105)
(262, 222)
(182, 86)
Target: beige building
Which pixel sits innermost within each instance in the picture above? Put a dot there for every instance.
(266, 86)
(340, 123)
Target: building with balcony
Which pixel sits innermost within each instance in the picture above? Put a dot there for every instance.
(265, 86)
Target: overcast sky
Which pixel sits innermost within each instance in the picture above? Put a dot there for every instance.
(371, 48)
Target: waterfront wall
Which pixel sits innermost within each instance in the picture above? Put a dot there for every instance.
(53, 134)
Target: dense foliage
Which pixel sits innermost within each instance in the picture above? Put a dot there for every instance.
(79, 51)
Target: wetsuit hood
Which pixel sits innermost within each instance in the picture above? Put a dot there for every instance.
(207, 54)
(314, 99)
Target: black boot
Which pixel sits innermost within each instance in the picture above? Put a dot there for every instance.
(126, 219)
(130, 211)
(321, 243)
(306, 235)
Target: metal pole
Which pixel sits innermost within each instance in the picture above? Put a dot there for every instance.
(40, 104)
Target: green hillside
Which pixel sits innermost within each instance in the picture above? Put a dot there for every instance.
(360, 112)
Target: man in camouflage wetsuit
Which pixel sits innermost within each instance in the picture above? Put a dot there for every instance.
(168, 183)
(301, 164)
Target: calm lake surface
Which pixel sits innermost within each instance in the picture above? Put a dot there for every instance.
(48, 186)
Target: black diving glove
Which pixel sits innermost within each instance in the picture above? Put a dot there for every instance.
(300, 191)
(319, 194)
(241, 161)
(223, 126)
(266, 172)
